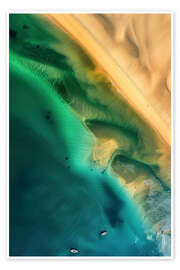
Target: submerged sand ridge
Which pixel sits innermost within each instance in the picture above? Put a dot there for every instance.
(134, 53)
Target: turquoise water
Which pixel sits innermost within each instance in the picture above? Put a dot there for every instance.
(59, 199)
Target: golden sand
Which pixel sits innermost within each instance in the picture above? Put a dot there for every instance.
(134, 51)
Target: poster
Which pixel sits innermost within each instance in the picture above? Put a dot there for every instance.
(89, 135)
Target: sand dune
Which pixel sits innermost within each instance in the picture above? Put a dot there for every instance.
(134, 50)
